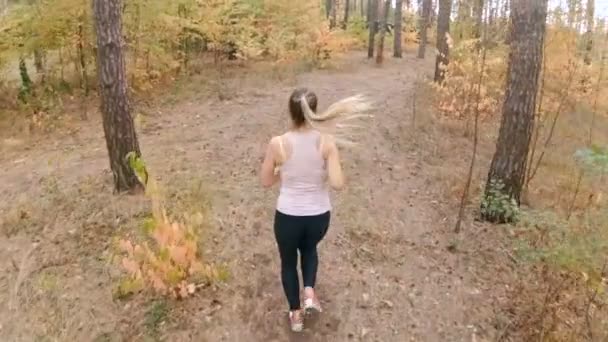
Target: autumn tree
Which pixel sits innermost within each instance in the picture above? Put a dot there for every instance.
(508, 165)
(397, 50)
(333, 14)
(121, 139)
(590, 22)
(424, 24)
(383, 27)
(372, 14)
(443, 31)
(575, 9)
(346, 14)
(463, 17)
(478, 6)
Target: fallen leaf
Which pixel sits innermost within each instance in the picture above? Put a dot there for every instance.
(388, 303)
(130, 266)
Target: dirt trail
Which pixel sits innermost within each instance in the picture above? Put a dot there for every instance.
(385, 272)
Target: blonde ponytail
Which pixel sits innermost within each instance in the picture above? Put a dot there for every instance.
(333, 119)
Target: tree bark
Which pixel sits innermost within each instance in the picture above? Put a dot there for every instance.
(463, 17)
(346, 13)
(363, 8)
(433, 13)
(443, 30)
(383, 28)
(372, 12)
(328, 6)
(39, 64)
(589, 34)
(84, 79)
(504, 14)
(509, 162)
(478, 12)
(333, 17)
(118, 126)
(397, 50)
(424, 24)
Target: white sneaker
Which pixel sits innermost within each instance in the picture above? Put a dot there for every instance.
(296, 320)
(312, 305)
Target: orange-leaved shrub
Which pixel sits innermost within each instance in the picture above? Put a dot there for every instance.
(168, 259)
(458, 93)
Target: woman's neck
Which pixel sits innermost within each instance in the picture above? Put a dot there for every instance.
(304, 128)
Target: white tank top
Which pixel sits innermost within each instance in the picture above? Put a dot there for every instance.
(304, 190)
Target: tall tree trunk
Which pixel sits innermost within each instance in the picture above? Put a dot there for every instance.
(39, 64)
(509, 161)
(433, 13)
(508, 23)
(571, 13)
(504, 14)
(590, 18)
(443, 30)
(363, 8)
(478, 12)
(346, 13)
(491, 13)
(463, 18)
(575, 13)
(328, 6)
(424, 24)
(84, 77)
(383, 28)
(333, 17)
(397, 50)
(118, 126)
(372, 13)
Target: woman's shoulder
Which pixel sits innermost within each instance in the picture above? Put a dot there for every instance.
(278, 139)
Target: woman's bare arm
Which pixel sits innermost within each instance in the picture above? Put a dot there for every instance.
(334, 165)
(268, 177)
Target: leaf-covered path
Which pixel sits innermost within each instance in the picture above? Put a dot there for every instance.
(385, 270)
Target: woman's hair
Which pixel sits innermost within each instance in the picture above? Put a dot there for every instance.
(303, 109)
(295, 105)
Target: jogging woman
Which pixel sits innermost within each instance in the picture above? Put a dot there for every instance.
(306, 162)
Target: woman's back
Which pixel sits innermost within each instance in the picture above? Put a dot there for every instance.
(304, 190)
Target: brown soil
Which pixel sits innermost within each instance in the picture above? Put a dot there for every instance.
(390, 269)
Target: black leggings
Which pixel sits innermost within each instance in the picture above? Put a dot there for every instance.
(301, 233)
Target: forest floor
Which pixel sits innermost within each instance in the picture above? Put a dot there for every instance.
(390, 268)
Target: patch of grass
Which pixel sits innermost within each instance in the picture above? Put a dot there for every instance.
(106, 337)
(48, 282)
(127, 287)
(156, 315)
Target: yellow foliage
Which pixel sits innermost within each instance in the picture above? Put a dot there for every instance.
(458, 92)
(162, 38)
(565, 79)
